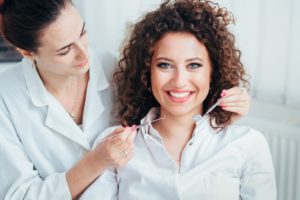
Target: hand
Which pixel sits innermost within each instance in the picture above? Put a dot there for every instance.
(117, 151)
(236, 100)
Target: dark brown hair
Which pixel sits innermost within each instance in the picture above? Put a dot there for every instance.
(209, 24)
(22, 21)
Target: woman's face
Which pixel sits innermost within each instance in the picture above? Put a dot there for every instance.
(64, 45)
(180, 74)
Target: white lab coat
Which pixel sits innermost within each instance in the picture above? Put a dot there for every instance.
(39, 141)
(234, 164)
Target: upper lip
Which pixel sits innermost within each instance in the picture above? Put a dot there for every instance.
(179, 91)
(82, 62)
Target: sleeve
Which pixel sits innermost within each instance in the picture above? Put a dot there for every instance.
(105, 187)
(258, 176)
(18, 177)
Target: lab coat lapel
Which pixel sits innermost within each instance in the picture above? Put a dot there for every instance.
(93, 103)
(59, 120)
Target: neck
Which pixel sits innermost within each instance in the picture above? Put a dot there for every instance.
(60, 84)
(176, 127)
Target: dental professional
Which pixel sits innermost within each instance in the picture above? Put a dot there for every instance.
(53, 104)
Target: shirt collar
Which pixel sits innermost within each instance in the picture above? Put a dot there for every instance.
(201, 124)
(149, 129)
(36, 88)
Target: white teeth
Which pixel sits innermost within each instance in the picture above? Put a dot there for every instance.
(180, 94)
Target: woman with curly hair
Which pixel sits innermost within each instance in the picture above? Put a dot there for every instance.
(179, 61)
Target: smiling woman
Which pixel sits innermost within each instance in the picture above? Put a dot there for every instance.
(180, 60)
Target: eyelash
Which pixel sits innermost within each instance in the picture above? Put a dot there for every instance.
(66, 52)
(191, 66)
(163, 65)
(197, 66)
(83, 32)
(68, 48)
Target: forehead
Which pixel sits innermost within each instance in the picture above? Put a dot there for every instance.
(180, 45)
(64, 30)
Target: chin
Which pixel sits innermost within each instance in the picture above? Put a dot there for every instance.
(181, 111)
(83, 70)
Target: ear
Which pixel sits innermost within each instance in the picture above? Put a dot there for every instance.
(25, 53)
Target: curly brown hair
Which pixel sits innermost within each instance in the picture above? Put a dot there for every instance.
(209, 24)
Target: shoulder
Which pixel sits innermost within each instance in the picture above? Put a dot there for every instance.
(249, 141)
(245, 133)
(11, 79)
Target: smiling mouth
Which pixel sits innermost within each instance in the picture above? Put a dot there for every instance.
(179, 94)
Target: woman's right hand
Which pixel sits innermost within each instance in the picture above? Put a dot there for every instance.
(118, 150)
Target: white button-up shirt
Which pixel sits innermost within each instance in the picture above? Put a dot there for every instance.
(232, 164)
(39, 141)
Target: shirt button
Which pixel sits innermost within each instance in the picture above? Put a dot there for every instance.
(191, 143)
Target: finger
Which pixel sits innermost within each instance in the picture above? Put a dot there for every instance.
(235, 104)
(131, 136)
(235, 98)
(237, 110)
(231, 91)
(129, 155)
(126, 152)
(125, 133)
(123, 145)
(120, 137)
(117, 131)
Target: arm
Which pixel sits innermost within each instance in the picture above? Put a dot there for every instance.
(105, 187)
(257, 175)
(106, 154)
(20, 179)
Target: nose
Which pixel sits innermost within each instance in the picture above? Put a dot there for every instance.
(180, 77)
(82, 50)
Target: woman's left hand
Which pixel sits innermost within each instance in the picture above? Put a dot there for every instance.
(236, 100)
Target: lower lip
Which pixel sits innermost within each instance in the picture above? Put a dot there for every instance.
(180, 100)
(83, 63)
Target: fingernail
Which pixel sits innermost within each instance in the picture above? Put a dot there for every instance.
(133, 128)
(223, 94)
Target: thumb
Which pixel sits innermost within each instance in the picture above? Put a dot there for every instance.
(132, 136)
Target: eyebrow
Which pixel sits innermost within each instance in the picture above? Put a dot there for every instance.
(196, 58)
(83, 26)
(188, 60)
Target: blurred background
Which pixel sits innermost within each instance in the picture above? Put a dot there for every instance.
(267, 32)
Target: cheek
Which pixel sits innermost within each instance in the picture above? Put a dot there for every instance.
(158, 81)
(203, 84)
